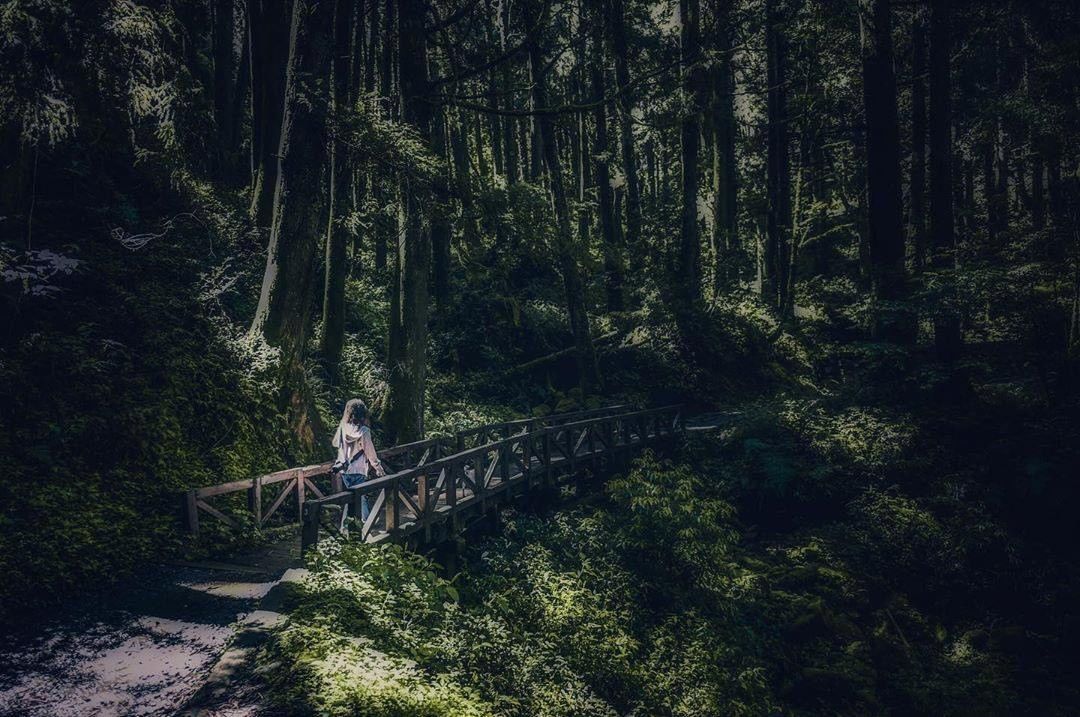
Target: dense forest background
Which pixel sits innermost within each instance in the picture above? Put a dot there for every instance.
(851, 228)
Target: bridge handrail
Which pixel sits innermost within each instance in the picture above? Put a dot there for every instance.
(303, 475)
(493, 470)
(375, 484)
(563, 417)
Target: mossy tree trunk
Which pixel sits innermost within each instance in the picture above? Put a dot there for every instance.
(289, 280)
(886, 213)
(725, 239)
(615, 18)
(613, 273)
(270, 22)
(341, 178)
(777, 279)
(407, 359)
(693, 85)
(947, 337)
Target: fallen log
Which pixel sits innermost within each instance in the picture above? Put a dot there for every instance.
(568, 351)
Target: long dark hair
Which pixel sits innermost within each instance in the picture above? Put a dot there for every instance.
(358, 415)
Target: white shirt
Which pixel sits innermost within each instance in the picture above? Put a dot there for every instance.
(352, 440)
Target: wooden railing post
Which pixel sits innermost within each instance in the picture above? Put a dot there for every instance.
(192, 511)
(357, 501)
(300, 490)
(391, 507)
(255, 501)
(480, 471)
(311, 513)
(504, 457)
(422, 494)
(571, 454)
(451, 481)
(545, 453)
(526, 458)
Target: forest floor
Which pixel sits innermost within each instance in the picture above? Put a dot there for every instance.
(142, 649)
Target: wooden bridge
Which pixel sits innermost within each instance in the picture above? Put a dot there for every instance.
(434, 487)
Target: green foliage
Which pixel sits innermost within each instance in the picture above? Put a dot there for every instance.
(332, 674)
(554, 618)
(676, 522)
(655, 600)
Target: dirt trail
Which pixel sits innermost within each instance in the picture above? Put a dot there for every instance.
(145, 648)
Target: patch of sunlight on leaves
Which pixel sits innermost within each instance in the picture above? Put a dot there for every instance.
(335, 674)
(869, 438)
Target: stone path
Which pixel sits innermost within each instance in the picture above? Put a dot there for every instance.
(145, 648)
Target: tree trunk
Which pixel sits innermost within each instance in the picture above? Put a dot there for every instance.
(508, 124)
(725, 241)
(372, 28)
(616, 23)
(386, 224)
(337, 236)
(693, 81)
(917, 189)
(535, 135)
(440, 214)
(405, 400)
(494, 131)
(225, 82)
(289, 283)
(241, 103)
(613, 275)
(269, 21)
(588, 371)
(1038, 190)
(776, 281)
(884, 203)
(947, 338)
(357, 53)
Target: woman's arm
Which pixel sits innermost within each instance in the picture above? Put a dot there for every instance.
(370, 454)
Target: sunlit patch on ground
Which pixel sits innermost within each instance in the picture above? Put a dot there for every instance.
(146, 667)
(143, 651)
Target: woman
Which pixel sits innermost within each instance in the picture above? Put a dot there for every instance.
(355, 449)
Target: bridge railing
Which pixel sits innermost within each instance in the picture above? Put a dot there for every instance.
(281, 495)
(472, 437)
(425, 497)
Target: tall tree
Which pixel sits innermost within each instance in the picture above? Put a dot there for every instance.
(884, 203)
(947, 337)
(289, 281)
(386, 228)
(225, 87)
(588, 371)
(693, 84)
(463, 184)
(441, 228)
(615, 17)
(510, 148)
(341, 175)
(725, 239)
(269, 22)
(613, 275)
(777, 279)
(917, 187)
(408, 356)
